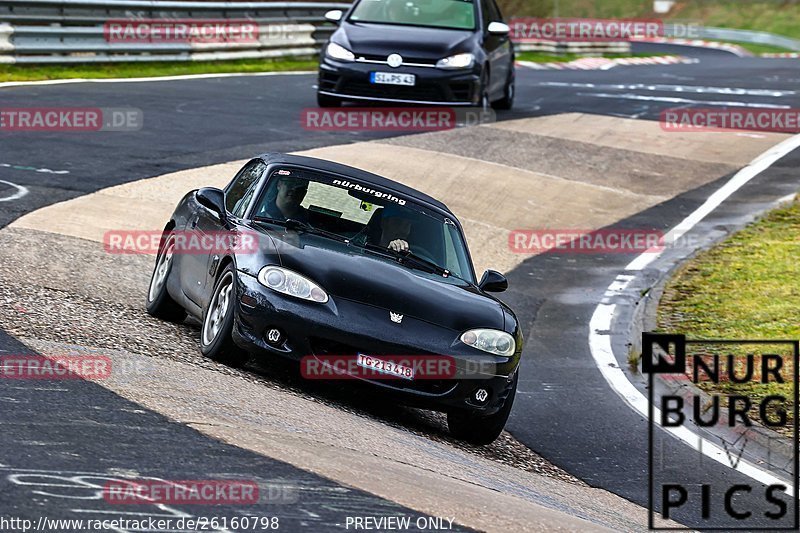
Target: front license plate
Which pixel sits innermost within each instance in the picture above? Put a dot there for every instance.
(392, 78)
(383, 366)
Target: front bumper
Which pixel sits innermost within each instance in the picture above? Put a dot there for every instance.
(351, 81)
(343, 328)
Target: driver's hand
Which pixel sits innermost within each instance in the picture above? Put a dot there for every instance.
(399, 245)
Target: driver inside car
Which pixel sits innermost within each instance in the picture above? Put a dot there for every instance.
(287, 197)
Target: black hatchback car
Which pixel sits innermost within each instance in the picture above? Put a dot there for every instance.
(353, 275)
(434, 52)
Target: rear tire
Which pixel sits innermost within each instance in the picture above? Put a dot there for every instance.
(216, 341)
(159, 303)
(323, 100)
(481, 430)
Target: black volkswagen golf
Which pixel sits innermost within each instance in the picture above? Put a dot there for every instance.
(453, 52)
(353, 275)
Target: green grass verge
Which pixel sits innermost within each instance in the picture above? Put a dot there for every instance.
(135, 70)
(544, 57)
(744, 288)
(762, 48)
(779, 17)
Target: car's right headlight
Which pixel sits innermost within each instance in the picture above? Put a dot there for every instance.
(335, 51)
(490, 340)
(291, 283)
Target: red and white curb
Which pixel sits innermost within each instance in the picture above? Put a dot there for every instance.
(603, 63)
(698, 43)
(791, 55)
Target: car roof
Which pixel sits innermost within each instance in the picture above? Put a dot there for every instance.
(355, 173)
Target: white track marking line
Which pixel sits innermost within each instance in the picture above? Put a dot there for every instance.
(33, 169)
(600, 324)
(21, 191)
(155, 78)
(660, 87)
(672, 100)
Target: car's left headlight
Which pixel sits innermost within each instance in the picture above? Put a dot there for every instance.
(339, 52)
(490, 340)
(457, 61)
(291, 283)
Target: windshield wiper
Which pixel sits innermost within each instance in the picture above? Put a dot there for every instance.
(299, 225)
(410, 258)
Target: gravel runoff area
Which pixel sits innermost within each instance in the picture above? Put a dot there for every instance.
(91, 302)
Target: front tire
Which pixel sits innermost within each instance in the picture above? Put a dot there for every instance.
(481, 430)
(216, 341)
(507, 101)
(159, 303)
(486, 101)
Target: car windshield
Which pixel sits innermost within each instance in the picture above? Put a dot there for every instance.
(448, 14)
(367, 216)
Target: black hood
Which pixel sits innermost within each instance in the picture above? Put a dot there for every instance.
(351, 272)
(411, 42)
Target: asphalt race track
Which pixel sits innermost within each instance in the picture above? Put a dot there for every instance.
(565, 411)
(63, 439)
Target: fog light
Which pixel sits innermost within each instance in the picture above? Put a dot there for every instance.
(481, 396)
(274, 337)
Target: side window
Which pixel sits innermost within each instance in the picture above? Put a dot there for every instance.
(240, 191)
(496, 12)
(241, 206)
(486, 14)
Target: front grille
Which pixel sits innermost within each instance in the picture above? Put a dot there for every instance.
(327, 347)
(406, 60)
(422, 92)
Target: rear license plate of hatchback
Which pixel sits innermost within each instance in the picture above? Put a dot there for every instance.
(385, 366)
(392, 78)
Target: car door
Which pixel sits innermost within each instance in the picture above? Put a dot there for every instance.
(498, 49)
(207, 231)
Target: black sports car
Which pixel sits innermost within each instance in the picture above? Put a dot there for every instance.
(446, 52)
(352, 274)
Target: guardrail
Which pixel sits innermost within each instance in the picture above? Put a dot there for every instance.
(75, 31)
(72, 31)
(578, 47)
(748, 36)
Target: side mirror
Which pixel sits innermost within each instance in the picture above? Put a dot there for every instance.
(213, 200)
(498, 28)
(334, 15)
(493, 281)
